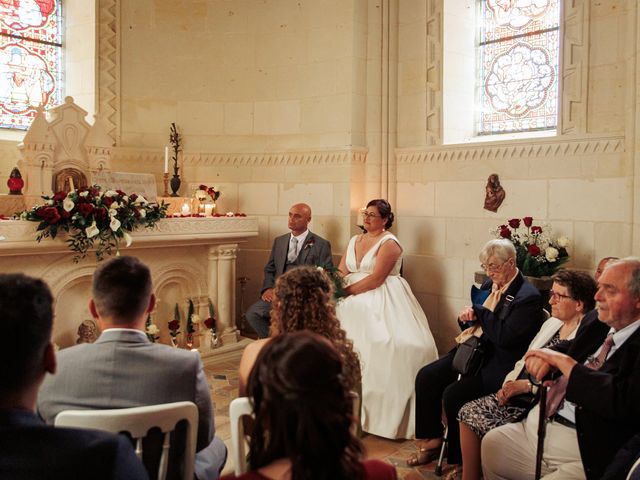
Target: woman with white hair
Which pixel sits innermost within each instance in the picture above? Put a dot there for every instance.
(506, 322)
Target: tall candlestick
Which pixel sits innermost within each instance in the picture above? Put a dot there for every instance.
(71, 187)
(166, 159)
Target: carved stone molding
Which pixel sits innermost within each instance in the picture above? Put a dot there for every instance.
(328, 157)
(575, 66)
(109, 66)
(541, 148)
(434, 72)
(189, 276)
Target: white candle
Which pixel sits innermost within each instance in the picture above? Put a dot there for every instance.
(71, 187)
(166, 159)
(208, 209)
(186, 210)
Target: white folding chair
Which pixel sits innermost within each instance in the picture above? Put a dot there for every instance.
(240, 407)
(138, 421)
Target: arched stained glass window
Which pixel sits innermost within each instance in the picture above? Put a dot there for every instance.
(518, 59)
(30, 59)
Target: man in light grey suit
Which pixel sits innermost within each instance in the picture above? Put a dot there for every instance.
(300, 247)
(124, 369)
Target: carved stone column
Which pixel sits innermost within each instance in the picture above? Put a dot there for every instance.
(221, 282)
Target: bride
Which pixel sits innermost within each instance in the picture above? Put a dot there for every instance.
(388, 328)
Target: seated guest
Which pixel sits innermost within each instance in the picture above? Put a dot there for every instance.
(571, 297)
(124, 369)
(303, 415)
(508, 319)
(593, 407)
(303, 300)
(29, 448)
(300, 247)
(601, 265)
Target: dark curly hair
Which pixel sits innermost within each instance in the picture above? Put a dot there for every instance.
(303, 409)
(384, 209)
(582, 287)
(303, 300)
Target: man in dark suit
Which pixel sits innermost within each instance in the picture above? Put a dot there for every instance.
(300, 247)
(124, 369)
(29, 448)
(601, 411)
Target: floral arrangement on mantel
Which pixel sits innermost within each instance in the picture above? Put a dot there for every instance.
(202, 192)
(90, 215)
(538, 254)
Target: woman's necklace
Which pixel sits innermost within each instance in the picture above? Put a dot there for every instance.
(570, 329)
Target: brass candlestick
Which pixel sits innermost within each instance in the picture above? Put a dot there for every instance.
(166, 184)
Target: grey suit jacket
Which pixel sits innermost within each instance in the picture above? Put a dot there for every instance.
(315, 251)
(124, 369)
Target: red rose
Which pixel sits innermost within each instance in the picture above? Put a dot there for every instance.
(202, 187)
(100, 213)
(174, 325)
(121, 193)
(533, 250)
(49, 215)
(94, 192)
(133, 197)
(505, 232)
(536, 229)
(60, 196)
(527, 221)
(209, 322)
(514, 222)
(64, 214)
(85, 209)
(107, 201)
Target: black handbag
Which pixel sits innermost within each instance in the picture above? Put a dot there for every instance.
(469, 356)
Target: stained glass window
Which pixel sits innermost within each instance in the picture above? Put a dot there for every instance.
(518, 59)
(30, 59)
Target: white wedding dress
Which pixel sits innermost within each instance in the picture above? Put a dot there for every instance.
(391, 334)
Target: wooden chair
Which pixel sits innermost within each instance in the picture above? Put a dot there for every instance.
(137, 421)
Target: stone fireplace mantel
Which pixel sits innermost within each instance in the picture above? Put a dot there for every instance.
(190, 258)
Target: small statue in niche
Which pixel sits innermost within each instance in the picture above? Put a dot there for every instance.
(88, 332)
(495, 193)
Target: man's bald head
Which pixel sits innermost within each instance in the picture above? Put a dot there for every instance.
(299, 218)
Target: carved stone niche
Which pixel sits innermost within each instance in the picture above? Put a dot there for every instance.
(62, 148)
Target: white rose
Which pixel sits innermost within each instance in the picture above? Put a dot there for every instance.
(153, 329)
(84, 194)
(115, 224)
(143, 213)
(110, 193)
(112, 209)
(92, 230)
(141, 200)
(127, 239)
(125, 199)
(68, 204)
(551, 254)
(195, 318)
(562, 242)
(49, 202)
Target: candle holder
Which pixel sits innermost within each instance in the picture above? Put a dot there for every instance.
(175, 185)
(165, 179)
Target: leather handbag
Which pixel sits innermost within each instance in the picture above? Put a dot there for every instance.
(469, 356)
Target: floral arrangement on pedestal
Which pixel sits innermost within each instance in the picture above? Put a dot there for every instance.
(90, 215)
(203, 191)
(151, 329)
(174, 326)
(538, 254)
(210, 323)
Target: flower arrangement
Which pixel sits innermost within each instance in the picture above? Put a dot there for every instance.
(151, 329)
(202, 192)
(175, 139)
(88, 215)
(538, 254)
(210, 322)
(174, 325)
(192, 318)
(338, 281)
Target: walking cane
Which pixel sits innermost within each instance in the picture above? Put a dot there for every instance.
(542, 429)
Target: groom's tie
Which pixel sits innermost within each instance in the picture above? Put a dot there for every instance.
(558, 390)
(293, 250)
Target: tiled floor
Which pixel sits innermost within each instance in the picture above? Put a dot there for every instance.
(223, 378)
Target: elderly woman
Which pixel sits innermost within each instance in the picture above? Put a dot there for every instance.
(509, 319)
(303, 300)
(571, 299)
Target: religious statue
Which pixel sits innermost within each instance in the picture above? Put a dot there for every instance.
(88, 332)
(495, 193)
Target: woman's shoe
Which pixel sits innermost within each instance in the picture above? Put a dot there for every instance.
(423, 456)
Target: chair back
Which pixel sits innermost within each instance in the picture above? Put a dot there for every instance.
(239, 407)
(137, 421)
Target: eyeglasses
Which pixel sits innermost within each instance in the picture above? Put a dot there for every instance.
(557, 296)
(370, 215)
(492, 267)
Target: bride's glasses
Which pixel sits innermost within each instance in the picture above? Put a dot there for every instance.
(370, 215)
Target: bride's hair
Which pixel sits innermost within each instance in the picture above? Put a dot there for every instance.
(384, 209)
(303, 300)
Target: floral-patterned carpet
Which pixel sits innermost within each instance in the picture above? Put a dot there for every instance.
(223, 378)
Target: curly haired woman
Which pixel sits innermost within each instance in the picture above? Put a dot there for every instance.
(303, 300)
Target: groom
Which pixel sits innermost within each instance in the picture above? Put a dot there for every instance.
(300, 247)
